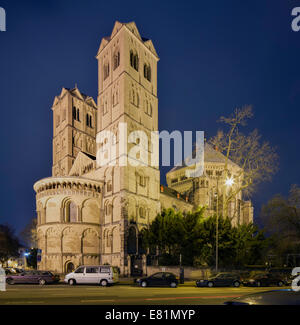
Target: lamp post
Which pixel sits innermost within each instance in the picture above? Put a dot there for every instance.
(217, 227)
(228, 182)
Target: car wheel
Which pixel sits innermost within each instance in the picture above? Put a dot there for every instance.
(210, 284)
(144, 284)
(173, 284)
(72, 282)
(42, 282)
(103, 283)
(10, 281)
(280, 284)
(258, 284)
(236, 284)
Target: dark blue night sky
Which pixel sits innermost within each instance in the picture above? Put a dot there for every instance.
(214, 56)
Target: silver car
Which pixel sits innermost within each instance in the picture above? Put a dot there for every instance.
(93, 274)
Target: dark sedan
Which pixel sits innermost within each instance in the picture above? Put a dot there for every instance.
(220, 280)
(264, 280)
(32, 277)
(274, 297)
(159, 279)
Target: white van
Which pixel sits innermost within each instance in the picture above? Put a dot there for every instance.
(93, 274)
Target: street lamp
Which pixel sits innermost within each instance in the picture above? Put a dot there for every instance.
(228, 182)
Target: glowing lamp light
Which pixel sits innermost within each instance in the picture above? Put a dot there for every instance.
(229, 181)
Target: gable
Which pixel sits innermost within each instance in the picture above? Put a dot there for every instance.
(132, 27)
(116, 28)
(103, 43)
(150, 46)
(91, 101)
(82, 165)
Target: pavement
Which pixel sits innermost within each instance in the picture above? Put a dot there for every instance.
(124, 293)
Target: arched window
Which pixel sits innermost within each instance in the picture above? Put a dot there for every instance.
(74, 113)
(106, 70)
(109, 186)
(108, 239)
(147, 72)
(88, 120)
(142, 180)
(134, 60)
(108, 209)
(116, 59)
(142, 212)
(71, 212)
(131, 58)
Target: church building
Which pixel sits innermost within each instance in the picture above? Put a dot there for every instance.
(90, 213)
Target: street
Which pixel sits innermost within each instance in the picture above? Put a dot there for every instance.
(120, 294)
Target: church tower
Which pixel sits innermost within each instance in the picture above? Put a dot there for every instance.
(74, 129)
(127, 93)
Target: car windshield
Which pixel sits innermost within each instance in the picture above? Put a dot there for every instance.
(157, 275)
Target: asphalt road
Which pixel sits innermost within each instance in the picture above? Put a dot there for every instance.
(121, 294)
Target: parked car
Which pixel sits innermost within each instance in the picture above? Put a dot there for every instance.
(93, 274)
(13, 270)
(159, 279)
(273, 297)
(220, 280)
(264, 280)
(284, 273)
(34, 277)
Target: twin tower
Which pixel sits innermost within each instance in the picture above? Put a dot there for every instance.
(91, 213)
(88, 213)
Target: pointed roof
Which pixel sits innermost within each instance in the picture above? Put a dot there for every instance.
(131, 26)
(75, 92)
(148, 43)
(210, 156)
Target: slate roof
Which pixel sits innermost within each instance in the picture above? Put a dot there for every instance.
(210, 155)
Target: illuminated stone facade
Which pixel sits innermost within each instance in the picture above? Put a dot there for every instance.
(92, 214)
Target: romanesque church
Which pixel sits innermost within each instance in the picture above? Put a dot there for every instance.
(88, 213)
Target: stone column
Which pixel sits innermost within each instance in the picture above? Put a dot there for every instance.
(62, 217)
(79, 214)
(43, 215)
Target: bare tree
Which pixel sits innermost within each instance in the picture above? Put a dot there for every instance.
(282, 215)
(258, 161)
(29, 233)
(9, 244)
